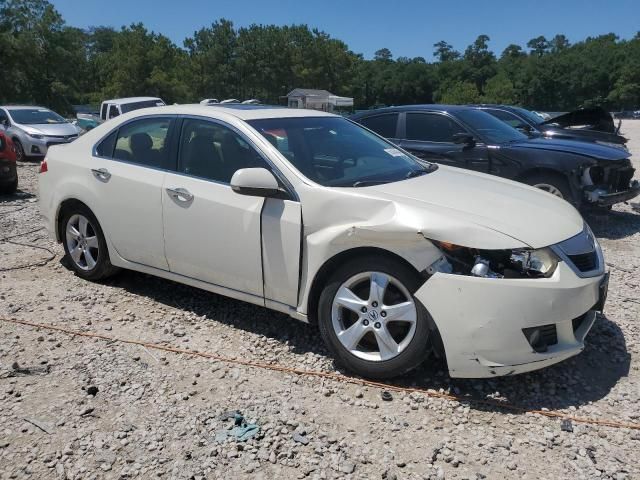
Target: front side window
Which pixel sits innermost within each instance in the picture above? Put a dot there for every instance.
(113, 111)
(335, 152)
(384, 125)
(508, 118)
(489, 127)
(212, 151)
(4, 120)
(35, 116)
(143, 142)
(431, 127)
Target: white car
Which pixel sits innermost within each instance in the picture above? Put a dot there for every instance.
(307, 213)
(34, 129)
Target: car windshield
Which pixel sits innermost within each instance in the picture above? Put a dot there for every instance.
(489, 127)
(529, 115)
(129, 107)
(335, 152)
(35, 116)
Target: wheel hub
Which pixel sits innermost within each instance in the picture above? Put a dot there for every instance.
(374, 316)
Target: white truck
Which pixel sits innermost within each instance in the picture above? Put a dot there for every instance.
(118, 106)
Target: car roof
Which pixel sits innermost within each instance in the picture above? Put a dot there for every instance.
(120, 101)
(23, 107)
(243, 112)
(405, 108)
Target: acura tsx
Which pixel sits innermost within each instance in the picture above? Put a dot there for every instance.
(310, 214)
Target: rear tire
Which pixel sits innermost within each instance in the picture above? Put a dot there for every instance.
(84, 244)
(10, 188)
(372, 339)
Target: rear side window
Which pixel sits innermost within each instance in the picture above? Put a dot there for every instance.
(430, 127)
(103, 111)
(143, 142)
(105, 149)
(384, 125)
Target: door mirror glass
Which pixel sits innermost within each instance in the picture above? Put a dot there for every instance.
(464, 139)
(256, 182)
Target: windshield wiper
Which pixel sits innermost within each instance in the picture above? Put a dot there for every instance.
(369, 183)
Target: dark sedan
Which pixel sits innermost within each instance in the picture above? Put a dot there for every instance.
(587, 125)
(465, 137)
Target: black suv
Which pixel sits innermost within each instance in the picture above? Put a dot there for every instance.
(466, 137)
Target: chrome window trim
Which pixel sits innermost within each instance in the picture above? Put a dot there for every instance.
(599, 270)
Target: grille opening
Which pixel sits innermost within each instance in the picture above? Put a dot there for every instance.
(576, 323)
(540, 338)
(585, 262)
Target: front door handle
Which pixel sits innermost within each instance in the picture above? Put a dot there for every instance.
(101, 174)
(181, 195)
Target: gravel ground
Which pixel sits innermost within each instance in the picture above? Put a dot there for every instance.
(81, 408)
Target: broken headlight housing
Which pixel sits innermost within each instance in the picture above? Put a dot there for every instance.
(536, 263)
(516, 263)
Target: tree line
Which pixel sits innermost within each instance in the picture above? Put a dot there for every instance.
(45, 61)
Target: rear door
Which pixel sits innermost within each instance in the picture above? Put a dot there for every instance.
(430, 136)
(127, 174)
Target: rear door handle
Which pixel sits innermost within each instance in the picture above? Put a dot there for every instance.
(101, 174)
(181, 195)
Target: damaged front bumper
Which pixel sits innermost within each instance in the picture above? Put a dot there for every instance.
(607, 184)
(602, 198)
(493, 327)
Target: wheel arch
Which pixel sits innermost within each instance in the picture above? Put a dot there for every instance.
(62, 208)
(329, 266)
(530, 172)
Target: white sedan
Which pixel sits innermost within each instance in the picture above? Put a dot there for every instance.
(307, 213)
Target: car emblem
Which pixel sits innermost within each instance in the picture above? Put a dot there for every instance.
(373, 315)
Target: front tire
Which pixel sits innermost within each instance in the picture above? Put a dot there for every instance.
(20, 155)
(551, 183)
(84, 244)
(371, 321)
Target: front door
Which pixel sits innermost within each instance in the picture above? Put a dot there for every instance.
(212, 233)
(430, 136)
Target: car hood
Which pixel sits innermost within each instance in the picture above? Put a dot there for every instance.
(462, 207)
(586, 149)
(51, 129)
(595, 118)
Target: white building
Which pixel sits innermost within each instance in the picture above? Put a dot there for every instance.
(316, 99)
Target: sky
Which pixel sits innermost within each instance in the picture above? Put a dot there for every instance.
(407, 27)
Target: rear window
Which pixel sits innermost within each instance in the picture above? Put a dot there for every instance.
(130, 107)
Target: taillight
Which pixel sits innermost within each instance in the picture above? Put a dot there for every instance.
(43, 166)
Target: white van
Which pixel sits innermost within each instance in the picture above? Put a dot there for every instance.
(113, 108)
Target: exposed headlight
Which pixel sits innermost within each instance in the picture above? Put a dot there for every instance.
(35, 135)
(541, 262)
(621, 146)
(517, 263)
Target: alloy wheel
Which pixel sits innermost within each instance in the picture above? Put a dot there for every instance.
(553, 190)
(19, 150)
(374, 316)
(82, 242)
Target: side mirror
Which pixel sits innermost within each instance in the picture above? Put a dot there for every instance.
(464, 139)
(256, 182)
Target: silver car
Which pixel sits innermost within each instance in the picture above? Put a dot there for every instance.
(34, 129)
